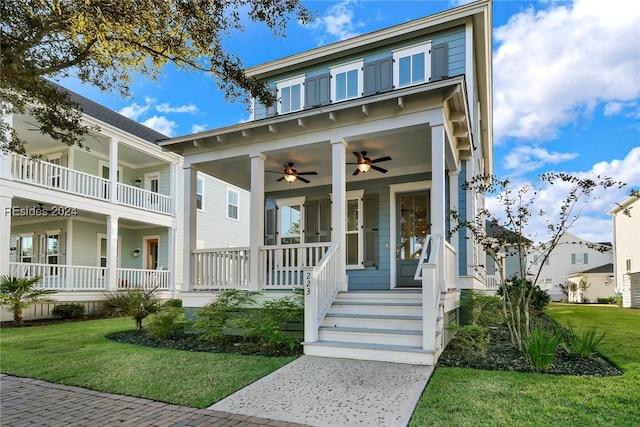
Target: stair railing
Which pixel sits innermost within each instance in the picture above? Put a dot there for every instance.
(320, 289)
(430, 270)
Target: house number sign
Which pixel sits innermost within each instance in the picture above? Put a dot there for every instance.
(307, 284)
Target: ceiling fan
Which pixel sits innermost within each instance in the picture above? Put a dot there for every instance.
(290, 174)
(365, 163)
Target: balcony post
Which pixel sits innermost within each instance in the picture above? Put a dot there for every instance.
(338, 208)
(438, 201)
(68, 255)
(113, 170)
(256, 219)
(453, 205)
(5, 234)
(112, 254)
(190, 221)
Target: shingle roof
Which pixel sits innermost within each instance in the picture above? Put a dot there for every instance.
(607, 268)
(102, 113)
(493, 229)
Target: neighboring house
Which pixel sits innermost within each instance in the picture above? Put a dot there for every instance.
(351, 175)
(626, 241)
(592, 284)
(512, 256)
(572, 255)
(105, 218)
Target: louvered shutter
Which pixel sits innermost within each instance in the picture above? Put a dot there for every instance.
(270, 224)
(378, 76)
(439, 62)
(370, 232)
(317, 90)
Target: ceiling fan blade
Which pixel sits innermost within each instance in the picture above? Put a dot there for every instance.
(379, 169)
(358, 155)
(356, 172)
(280, 179)
(350, 163)
(306, 181)
(381, 159)
(306, 173)
(279, 172)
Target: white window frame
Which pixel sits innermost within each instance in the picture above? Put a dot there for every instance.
(102, 164)
(52, 233)
(579, 258)
(236, 205)
(398, 54)
(201, 193)
(627, 264)
(345, 68)
(118, 250)
(149, 178)
(359, 196)
(292, 201)
(283, 84)
(21, 247)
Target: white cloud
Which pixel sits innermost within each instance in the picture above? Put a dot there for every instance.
(161, 124)
(338, 22)
(134, 111)
(195, 128)
(525, 159)
(593, 223)
(166, 108)
(554, 66)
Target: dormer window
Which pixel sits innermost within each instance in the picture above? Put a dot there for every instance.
(412, 65)
(290, 95)
(347, 81)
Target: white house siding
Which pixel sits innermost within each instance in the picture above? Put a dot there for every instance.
(214, 228)
(626, 229)
(560, 265)
(600, 286)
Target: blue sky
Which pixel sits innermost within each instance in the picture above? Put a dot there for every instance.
(566, 88)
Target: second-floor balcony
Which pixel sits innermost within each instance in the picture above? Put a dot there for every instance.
(60, 178)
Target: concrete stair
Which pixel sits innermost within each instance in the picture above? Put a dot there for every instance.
(374, 325)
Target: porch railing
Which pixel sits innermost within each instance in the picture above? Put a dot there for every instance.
(221, 269)
(60, 178)
(143, 199)
(492, 282)
(320, 289)
(49, 175)
(88, 278)
(281, 266)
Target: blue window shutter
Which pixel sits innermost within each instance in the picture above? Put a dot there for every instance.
(317, 90)
(573, 258)
(370, 224)
(272, 110)
(270, 224)
(586, 258)
(378, 76)
(439, 62)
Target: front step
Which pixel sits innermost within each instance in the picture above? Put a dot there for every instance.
(373, 325)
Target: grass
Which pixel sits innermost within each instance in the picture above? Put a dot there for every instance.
(79, 354)
(468, 397)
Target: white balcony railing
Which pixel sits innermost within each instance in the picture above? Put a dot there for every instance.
(320, 289)
(143, 199)
(221, 269)
(281, 266)
(60, 178)
(87, 278)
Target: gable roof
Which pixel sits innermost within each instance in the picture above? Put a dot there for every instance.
(494, 230)
(104, 114)
(603, 269)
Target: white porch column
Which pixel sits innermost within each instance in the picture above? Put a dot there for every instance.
(171, 260)
(190, 222)
(438, 200)
(113, 170)
(5, 234)
(338, 207)
(256, 219)
(453, 206)
(112, 253)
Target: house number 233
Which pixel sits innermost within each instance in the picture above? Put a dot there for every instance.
(307, 284)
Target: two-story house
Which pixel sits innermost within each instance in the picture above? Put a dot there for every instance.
(626, 252)
(572, 256)
(108, 217)
(352, 174)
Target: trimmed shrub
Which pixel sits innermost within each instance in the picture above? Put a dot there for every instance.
(68, 311)
(173, 303)
(214, 318)
(166, 322)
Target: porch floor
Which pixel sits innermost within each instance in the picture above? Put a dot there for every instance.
(320, 391)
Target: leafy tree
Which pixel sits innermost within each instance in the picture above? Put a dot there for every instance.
(106, 43)
(134, 302)
(518, 206)
(18, 293)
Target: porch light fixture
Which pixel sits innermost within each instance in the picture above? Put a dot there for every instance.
(364, 167)
(138, 182)
(289, 178)
(136, 252)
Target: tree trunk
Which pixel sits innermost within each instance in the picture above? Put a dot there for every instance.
(17, 318)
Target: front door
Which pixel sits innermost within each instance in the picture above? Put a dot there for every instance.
(414, 224)
(151, 262)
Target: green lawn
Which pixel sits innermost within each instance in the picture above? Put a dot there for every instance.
(468, 397)
(79, 354)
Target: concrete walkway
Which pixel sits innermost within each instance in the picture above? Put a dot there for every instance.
(322, 391)
(28, 402)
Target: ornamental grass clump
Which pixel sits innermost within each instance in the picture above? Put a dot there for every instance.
(540, 346)
(136, 303)
(585, 342)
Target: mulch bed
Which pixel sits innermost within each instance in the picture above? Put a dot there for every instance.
(503, 356)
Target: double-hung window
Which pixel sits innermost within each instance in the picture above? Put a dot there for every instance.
(354, 228)
(346, 81)
(412, 65)
(199, 194)
(232, 203)
(290, 95)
